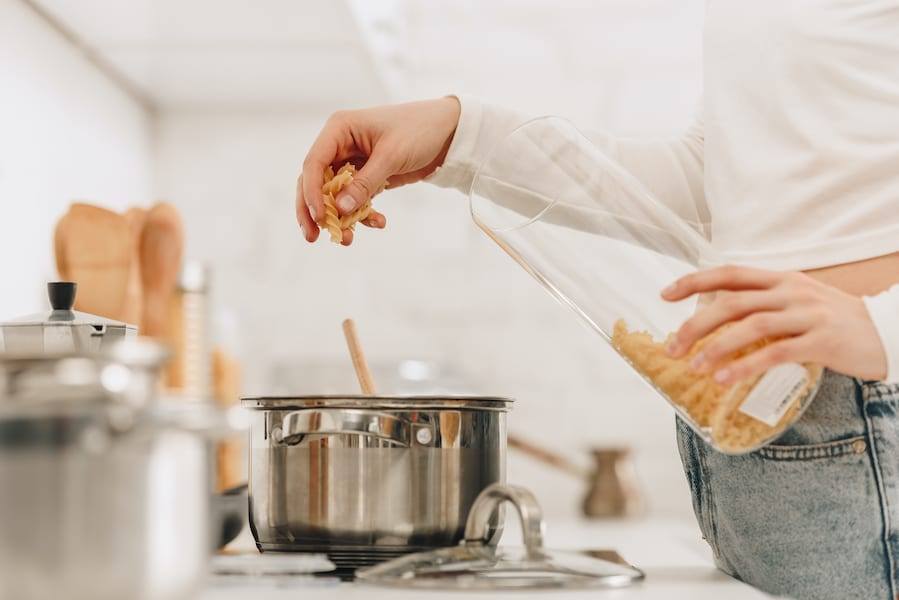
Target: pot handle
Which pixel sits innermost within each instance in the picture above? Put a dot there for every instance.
(489, 502)
(368, 423)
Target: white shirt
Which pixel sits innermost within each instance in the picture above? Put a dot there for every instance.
(793, 160)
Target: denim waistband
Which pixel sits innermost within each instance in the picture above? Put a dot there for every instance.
(876, 391)
(836, 412)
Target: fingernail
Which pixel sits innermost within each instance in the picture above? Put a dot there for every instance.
(669, 290)
(346, 203)
(697, 362)
(312, 212)
(672, 348)
(722, 375)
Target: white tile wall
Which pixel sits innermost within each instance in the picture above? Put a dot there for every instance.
(432, 285)
(66, 132)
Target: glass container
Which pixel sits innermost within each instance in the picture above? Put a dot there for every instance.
(604, 246)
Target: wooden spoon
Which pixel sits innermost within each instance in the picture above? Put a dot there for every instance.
(161, 250)
(363, 373)
(366, 383)
(547, 457)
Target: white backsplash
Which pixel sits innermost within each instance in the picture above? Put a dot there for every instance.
(430, 287)
(66, 133)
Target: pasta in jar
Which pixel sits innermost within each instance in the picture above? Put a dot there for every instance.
(711, 406)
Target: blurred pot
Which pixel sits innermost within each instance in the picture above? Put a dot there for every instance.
(104, 487)
(62, 329)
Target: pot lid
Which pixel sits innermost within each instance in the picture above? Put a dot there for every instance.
(477, 565)
(62, 299)
(377, 401)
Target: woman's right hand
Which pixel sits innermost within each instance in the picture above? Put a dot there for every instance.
(392, 145)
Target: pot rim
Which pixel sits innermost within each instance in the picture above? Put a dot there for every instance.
(376, 402)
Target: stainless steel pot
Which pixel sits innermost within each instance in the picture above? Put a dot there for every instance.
(104, 488)
(364, 478)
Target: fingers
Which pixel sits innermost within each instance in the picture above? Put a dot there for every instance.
(728, 277)
(322, 153)
(795, 349)
(725, 308)
(375, 220)
(366, 182)
(307, 224)
(756, 327)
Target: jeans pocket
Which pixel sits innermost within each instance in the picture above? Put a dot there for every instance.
(856, 444)
(691, 450)
(802, 520)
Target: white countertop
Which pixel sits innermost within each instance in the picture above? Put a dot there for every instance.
(676, 561)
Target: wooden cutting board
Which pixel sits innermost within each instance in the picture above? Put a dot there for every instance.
(95, 248)
(161, 250)
(134, 293)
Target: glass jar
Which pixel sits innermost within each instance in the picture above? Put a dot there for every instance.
(604, 246)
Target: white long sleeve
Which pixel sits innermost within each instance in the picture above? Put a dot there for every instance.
(671, 168)
(884, 311)
(794, 164)
(794, 161)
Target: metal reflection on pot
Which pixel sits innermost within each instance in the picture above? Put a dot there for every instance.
(364, 478)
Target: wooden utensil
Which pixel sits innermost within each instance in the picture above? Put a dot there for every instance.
(133, 308)
(608, 496)
(547, 457)
(161, 250)
(230, 452)
(366, 383)
(94, 248)
(363, 373)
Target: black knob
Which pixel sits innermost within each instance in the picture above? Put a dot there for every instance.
(62, 294)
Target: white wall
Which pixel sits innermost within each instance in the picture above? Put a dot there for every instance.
(66, 132)
(432, 286)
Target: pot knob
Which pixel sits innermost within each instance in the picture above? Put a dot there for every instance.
(62, 299)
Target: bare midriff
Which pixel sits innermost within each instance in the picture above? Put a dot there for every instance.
(863, 278)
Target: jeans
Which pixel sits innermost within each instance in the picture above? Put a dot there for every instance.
(815, 514)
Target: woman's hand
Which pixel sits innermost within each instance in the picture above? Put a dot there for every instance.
(392, 145)
(815, 322)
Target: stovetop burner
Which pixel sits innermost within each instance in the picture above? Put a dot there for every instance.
(348, 558)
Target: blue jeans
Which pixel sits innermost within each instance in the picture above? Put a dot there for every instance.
(816, 513)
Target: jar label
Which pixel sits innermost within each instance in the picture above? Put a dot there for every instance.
(773, 393)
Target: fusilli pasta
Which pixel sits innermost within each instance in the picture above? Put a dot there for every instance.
(334, 183)
(711, 405)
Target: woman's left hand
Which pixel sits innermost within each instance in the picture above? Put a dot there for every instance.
(815, 322)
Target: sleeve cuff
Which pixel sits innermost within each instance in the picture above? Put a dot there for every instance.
(480, 127)
(458, 168)
(884, 312)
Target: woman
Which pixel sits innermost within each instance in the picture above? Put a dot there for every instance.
(794, 160)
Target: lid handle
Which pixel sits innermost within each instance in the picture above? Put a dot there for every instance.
(488, 503)
(62, 294)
